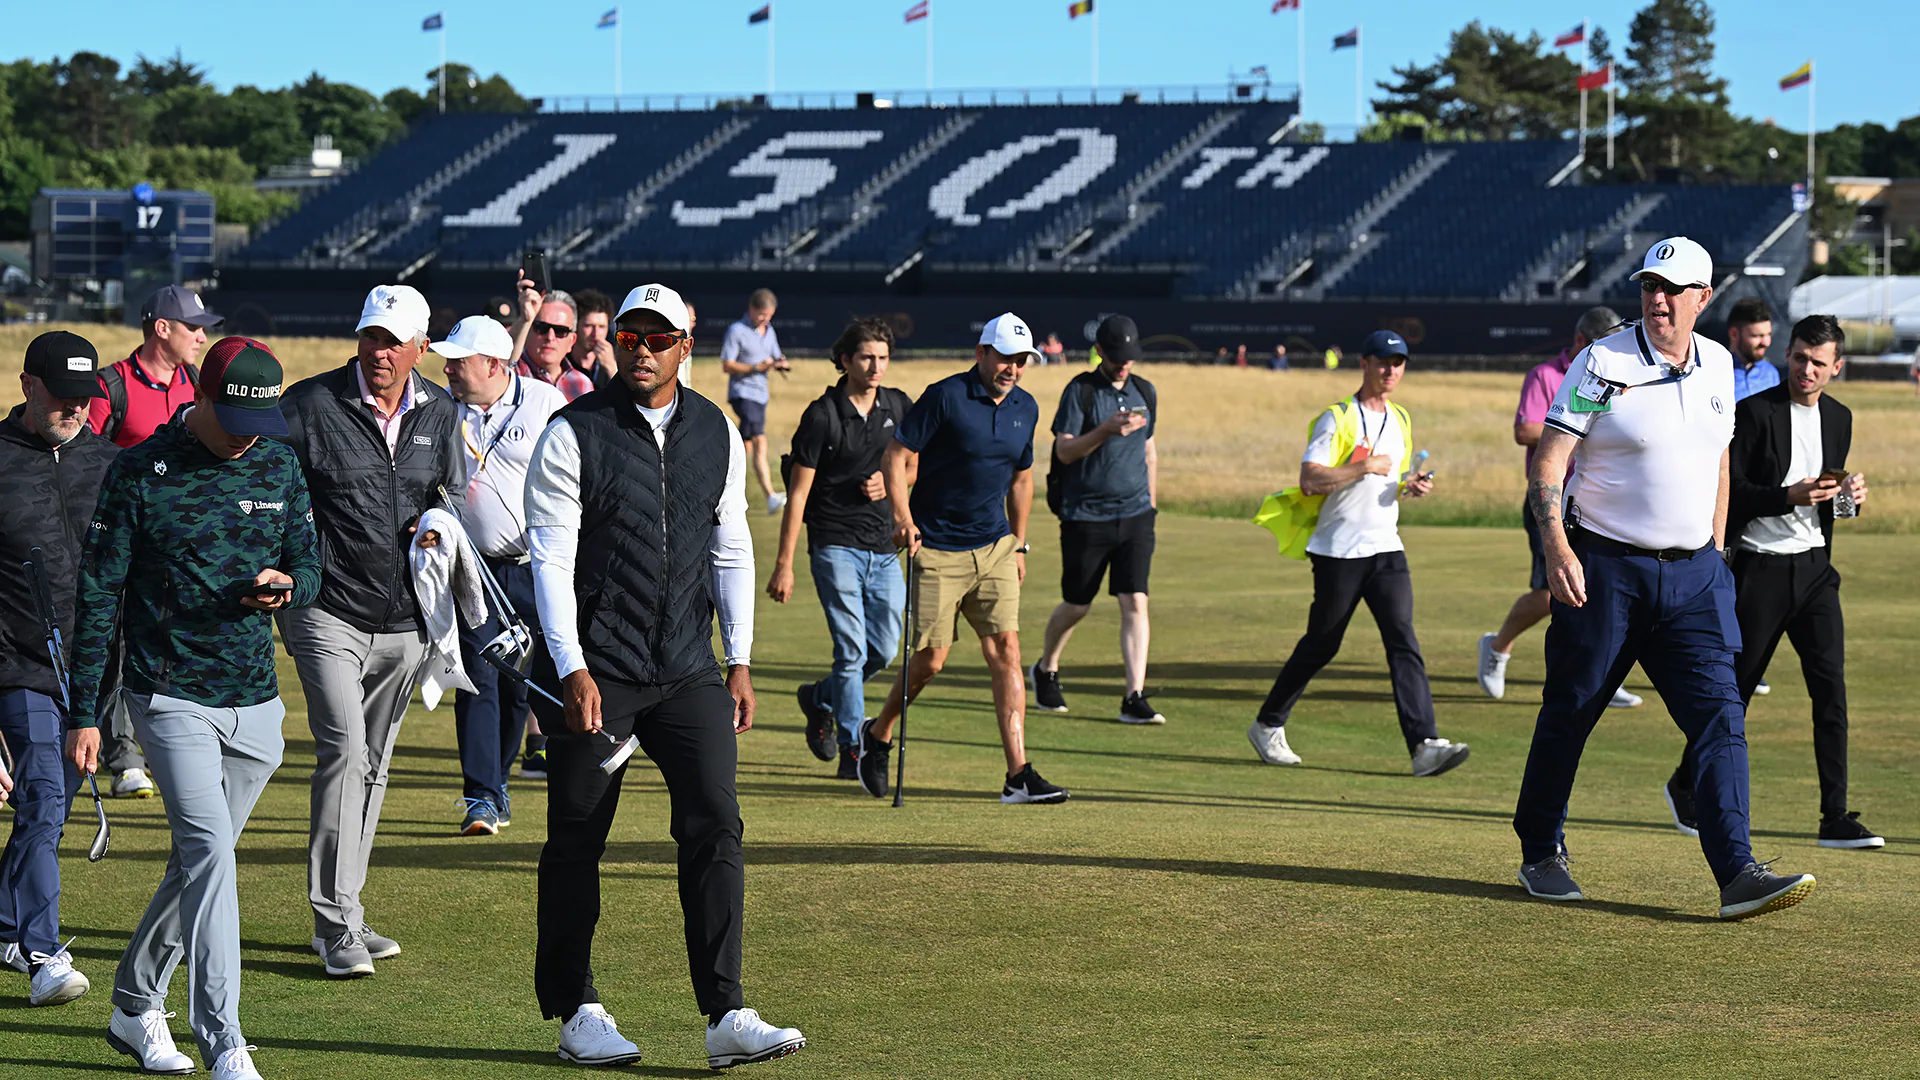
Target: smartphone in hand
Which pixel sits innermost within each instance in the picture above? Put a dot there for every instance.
(533, 266)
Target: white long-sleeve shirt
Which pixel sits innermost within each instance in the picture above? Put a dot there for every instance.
(553, 530)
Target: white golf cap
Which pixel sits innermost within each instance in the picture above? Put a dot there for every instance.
(1677, 261)
(476, 335)
(658, 299)
(400, 310)
(1008, 336)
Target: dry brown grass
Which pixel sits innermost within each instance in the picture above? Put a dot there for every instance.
(1228, 435)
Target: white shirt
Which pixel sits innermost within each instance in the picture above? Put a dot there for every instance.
(389, 425)
(553, 533)
(1798, 529)
(499, 443)
(1648, 469)
(1362, 518)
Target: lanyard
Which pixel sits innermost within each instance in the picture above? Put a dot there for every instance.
(1371, 442)
(483, 453)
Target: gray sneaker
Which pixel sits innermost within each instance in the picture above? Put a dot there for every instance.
(379, 946)
(1435, 756)
(1549, 879)
(345, 955)
(1758, 890)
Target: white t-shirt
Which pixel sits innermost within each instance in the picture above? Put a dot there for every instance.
(1798, 529)
(1648, 469)
(499, 442)
(1362, 518)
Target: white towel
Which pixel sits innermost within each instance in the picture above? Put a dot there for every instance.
(446, 582)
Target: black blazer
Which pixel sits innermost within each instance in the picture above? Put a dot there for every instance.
(1762, 449)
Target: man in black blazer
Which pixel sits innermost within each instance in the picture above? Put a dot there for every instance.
(1789, 456)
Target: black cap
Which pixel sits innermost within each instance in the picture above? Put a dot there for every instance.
(67, 363)
(177, 303)
(1119, 341)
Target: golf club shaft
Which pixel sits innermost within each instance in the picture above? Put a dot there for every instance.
(43, 599)
(493, 588)
(525, 680)
(906, 689)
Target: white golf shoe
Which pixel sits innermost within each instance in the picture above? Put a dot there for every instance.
(592, 1038)
(236, 1064)
(1624, 700)
(55, 982)
(145, 1038)
(132, 784)
(1493, 668)
(11, 956)
(742, 1038)
(1271, 744)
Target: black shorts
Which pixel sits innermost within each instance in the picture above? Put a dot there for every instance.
(752, 414)
(1537, 546)
(1088, 548)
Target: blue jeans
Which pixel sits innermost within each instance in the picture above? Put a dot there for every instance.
(489, 724)
(35, 727)
(861, 592)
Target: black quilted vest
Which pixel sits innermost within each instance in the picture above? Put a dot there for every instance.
(642, 577)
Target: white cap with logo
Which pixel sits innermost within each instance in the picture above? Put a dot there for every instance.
(1008, 336)
(476, 335)
(400, 310)
(658, 299)
(1677, 261)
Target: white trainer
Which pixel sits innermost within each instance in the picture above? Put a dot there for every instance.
(145, 1038)
(11, 956)
(236, 1064)
(55, 982)
(132, 784)
(592, 1038)
(1493, 668)
(1624, 700)
(1435, 756)
(1271, 744)
(742, 1038)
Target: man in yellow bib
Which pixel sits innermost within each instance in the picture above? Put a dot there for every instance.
(1352, 477)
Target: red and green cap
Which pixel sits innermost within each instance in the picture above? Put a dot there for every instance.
(243, 379)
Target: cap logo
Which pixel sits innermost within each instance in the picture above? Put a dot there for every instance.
(79, 363)
(1019, 331)
(652, 296)
(1663, 252)
(240, 390)
(391, 301)
(197, 305)
(160, 468)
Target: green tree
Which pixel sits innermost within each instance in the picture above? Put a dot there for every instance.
(358, 122)
(467, 92)
(92, 106)
(1491, 84)
(1675, 107)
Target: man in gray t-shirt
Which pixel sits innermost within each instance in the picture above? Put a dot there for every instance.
(1102, 488)
(750, 350)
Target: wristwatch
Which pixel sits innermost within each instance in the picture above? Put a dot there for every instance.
(1023, 548)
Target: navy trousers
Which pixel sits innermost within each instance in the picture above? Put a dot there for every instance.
(489, 724)
(44, 785)
(1676, 619)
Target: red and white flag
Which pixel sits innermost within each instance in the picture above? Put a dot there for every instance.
(917, 11)
(1285, 5)
(1595, 80)
(1575, 36)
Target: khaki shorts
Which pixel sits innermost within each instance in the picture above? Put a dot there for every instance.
(982, 584)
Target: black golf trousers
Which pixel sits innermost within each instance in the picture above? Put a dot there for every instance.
(1797, 596)
(1339, 585)
(687, 729)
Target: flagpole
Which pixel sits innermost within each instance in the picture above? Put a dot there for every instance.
(1300, 45)
(1096, 48)
(1584, 53)
(1359, 44)
(1811, 83)
(770, 54)
(1609, 118)
(616, 57)
(443, 63)
(929, 20)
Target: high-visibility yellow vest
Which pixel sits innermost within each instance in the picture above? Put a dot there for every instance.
(1291, 515)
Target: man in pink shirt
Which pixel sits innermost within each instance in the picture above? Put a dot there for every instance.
(1537, 391)
(144, 390)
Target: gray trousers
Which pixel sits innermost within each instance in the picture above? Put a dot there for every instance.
(357, 686)
(213, 764)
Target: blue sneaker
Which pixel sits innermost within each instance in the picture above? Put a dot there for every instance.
(1549, 879)
(1757, 890)
(505, 810)
(482, 819)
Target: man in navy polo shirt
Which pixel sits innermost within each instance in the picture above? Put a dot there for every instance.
(969, 444)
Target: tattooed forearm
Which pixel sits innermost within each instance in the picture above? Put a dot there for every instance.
(1543, 498)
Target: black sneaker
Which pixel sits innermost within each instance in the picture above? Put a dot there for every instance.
(1046, 689)
(874, 755)
(1758, 890)
(849, 766)
(1136, 709)
(1026, 786)
(533, 765)
(1680, 803)
(1846, 831)
(819, 721)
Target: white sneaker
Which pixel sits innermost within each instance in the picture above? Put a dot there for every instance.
(236, 1064)
(1435, 756)
(776, 502)
(742, 1038)
(132, 784)
(55, 982)
(1763, 688)
(1493, 668)
(592, 1038)
(11, 956)
(145, 1038)
(1271, 744)
(1624, 700)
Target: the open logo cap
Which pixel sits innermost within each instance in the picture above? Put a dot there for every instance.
(1677, 261)
(243, 379)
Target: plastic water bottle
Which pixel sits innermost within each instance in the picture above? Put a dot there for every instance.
(1413, 470)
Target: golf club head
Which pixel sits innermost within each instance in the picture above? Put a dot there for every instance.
(104, 836)
(620, 754)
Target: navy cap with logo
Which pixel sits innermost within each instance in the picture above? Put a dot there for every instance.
(1384, 343)
(243, 379)
(177, 303)
(66, 362)
(1118, 339)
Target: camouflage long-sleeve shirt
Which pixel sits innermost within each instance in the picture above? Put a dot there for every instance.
(177, 539)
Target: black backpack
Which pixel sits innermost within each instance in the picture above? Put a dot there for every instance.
(1088, 382)
(836, 432)
(116, 385)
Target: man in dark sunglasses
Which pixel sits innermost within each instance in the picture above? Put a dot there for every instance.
(545, 338)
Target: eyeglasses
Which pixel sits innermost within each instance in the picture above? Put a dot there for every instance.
(554, 329)
(656, 343)
(1653, 285)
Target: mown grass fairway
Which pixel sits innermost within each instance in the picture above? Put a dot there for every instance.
(1191, 913)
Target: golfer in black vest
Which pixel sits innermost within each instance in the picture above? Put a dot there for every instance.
(636, 515)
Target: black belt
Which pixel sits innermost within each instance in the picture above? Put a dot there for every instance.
(1610, 546)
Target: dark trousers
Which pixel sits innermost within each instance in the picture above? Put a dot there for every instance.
(1677, 620)
(687, 729)
(1339, 585)
(490, 722)
(1798, 596)
(35, 728)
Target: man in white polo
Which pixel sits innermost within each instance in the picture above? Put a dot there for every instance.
(501, 416)
(1633, 550)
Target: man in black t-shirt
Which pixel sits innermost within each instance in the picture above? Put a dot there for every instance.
(836, 489)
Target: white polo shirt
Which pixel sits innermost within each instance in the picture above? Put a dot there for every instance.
(1647, 472)
(499, 443)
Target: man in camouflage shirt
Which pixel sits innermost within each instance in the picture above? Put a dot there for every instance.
(200, 532)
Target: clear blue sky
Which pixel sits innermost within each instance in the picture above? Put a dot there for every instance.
(552, 48)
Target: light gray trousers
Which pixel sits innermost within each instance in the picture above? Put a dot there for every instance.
(357, 686)
(213, 764)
